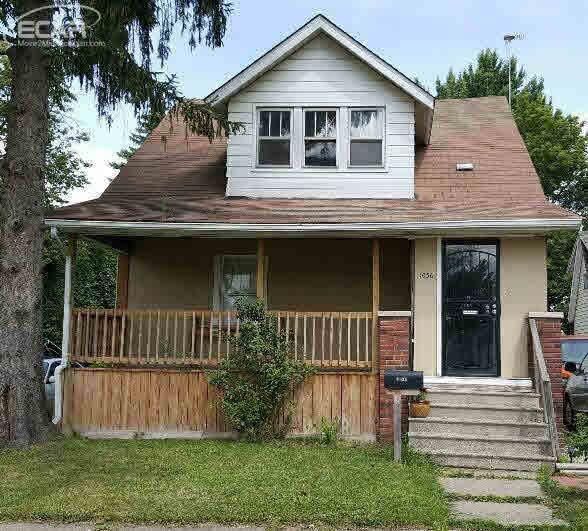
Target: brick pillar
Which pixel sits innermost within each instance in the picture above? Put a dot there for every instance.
(549, 328)
(393, 337)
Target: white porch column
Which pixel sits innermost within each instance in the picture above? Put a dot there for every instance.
(66, 328)
(68, 297)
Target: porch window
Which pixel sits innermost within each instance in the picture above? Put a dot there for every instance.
(273, 138)
(366, 137)
(320, 137)
(235, 276)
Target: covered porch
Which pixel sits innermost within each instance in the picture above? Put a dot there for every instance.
(175, 299)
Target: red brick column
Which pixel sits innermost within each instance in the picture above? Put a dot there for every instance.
(549, 328)
(394, 338)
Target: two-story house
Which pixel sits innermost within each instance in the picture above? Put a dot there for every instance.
(382, 227)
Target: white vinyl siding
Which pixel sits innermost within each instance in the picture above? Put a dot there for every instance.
(581, 318)
(322, 75)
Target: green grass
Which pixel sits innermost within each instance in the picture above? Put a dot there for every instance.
(211, 481)
(568, 504)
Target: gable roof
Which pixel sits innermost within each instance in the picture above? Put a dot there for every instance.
(425, 101)
(302, 35)
(182, 181)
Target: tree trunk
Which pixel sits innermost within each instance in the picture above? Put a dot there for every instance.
(23, 417)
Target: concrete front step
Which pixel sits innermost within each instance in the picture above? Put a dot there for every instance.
(464, 398)
(479, 428)
(507, 514)
(505, 414)
(504, 446)
(490, 461)
(503, 488)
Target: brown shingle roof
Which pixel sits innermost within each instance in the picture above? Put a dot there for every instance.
(182, 179)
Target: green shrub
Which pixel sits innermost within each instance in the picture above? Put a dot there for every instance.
(329, 430)
(578, 439)
(256, 382)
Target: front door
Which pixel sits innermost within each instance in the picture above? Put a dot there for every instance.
(471, 308)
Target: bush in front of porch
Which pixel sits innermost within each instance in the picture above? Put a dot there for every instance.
(257, 381)
(182, 482)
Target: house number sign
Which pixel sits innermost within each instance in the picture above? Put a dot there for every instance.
(426, 275)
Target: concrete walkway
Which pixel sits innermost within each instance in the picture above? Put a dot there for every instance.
(502, 512)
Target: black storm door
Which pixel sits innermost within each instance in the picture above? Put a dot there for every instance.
(471, 308)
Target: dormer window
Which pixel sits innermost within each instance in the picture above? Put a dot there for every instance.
(274, 140)
(320, 137)
(366, 137)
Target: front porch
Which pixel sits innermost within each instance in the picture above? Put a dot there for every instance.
(350, 307)
(175, 300)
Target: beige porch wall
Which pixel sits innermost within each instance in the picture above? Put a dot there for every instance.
(303, 274)
(523, 289)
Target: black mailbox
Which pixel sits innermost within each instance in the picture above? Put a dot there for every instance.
(403, 380)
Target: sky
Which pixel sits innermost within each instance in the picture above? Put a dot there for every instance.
(422, 39)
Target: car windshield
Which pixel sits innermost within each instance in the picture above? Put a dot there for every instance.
(573, 350)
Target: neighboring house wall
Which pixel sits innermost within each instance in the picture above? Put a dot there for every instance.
(523, 289)
(322, 74)
(581, 318)
(304, 275)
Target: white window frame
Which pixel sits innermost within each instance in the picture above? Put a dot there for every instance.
(218, 272)
(258, 137)
(336, 138)
(382, 117)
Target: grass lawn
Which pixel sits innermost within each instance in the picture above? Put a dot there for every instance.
(213, 481)
(568, 504)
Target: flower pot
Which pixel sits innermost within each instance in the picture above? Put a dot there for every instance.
(420, 410)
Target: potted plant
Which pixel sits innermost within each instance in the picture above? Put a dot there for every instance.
(419, 405)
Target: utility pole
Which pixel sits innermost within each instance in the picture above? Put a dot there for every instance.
(508, 38)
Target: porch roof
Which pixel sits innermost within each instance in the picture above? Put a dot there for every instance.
(182, 181)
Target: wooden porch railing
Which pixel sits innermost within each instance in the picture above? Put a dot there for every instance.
(201, 337)
(543, 386)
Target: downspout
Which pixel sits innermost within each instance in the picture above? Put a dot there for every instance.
(67, 304)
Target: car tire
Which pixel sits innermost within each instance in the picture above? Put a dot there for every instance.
(569, 415)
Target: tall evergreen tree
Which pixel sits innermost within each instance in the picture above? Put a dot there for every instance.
(119, 70)
(555, 141)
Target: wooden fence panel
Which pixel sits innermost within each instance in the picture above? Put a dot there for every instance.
(181, 403)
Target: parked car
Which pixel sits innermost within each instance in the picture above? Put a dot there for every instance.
(573, 350)
(576, 393)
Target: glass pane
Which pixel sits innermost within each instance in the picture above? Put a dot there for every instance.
(321, 122)
(365, 124)
(264, 123)
(274, 152)
(365, 153)
(320, 153)
(470, 271)
(275, 123)
(285, 123)
(308, 123)
(238, 279)
(331, 129)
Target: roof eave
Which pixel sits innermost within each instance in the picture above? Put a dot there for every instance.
(288, 230)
